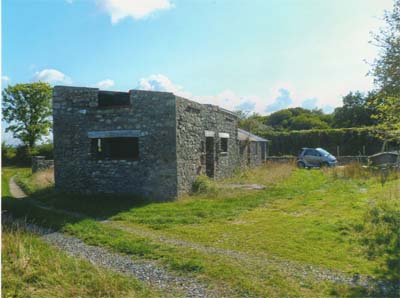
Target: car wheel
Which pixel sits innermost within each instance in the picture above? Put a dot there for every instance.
(324, 165)
(301, 165)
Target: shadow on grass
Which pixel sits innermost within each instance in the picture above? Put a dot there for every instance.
(99, 206)
(94, 207)
(377, 290)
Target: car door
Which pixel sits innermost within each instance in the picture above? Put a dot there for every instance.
(309, 157)
(317, 158)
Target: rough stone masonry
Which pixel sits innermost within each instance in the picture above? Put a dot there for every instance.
(152, 144)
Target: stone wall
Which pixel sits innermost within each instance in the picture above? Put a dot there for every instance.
(152, 114)
(251, 153)
(40, 163)
(194, 123)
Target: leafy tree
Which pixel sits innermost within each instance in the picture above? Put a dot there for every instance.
(388, 117)
(386, 71)
(251, 122)
(386, 68)
(355, 112)
(298, 119)
(27, 109)
(303, 121)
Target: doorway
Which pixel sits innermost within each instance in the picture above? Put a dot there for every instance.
(210, 157)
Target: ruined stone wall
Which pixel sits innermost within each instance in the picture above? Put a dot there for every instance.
(193, 119)
(40, 163)
(76, 113)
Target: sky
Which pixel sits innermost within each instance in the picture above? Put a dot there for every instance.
(253, 55)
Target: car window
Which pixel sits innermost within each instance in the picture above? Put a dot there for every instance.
(323, 152)
(308, 152)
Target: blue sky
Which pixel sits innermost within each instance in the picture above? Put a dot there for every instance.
(259, 55)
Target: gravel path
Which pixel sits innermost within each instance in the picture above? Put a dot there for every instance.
(15, 190)
(171, 285)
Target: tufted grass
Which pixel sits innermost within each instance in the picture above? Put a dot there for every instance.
(32, 268)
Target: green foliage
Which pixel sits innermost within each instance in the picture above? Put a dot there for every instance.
(203, 184)
(252, 122)
(386, 67)
(355, 112)
(44, 150)
(351, 141)
(27, 109)
(22, 155)
(388, 117)
(306, 122)
(382, 233)
(297, 118)
(8, 154)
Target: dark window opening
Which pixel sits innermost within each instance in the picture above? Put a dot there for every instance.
(115, 148)
(224, 144)
(113, 99)
(254, 148)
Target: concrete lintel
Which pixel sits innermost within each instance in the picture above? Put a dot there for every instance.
(223, 135)
(114, 134)
(209, 133)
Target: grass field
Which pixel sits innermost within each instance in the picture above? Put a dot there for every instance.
(32, 268)
(303, 217)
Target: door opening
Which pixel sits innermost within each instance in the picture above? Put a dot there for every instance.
(210, 157)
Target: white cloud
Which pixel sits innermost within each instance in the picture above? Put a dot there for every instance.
(136, 9)
(51, 76)
(5, 80)
(283, 95)
(105, 84)
(159, 82)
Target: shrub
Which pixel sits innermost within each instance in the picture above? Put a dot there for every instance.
(22, 156)
(203, 184)
(382, 232)
(8, 154)
(44, 150)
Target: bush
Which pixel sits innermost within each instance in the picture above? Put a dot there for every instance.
(382, 232)
(44, 150)
(8, 154)
(22, 156)
(203, 184)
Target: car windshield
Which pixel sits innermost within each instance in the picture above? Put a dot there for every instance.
(323, 152)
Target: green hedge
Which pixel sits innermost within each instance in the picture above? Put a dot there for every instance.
(351, 141)
(22, 156)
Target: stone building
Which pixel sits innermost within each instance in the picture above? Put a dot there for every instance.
(152, 144)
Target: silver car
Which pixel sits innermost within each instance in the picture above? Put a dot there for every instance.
(315, 158)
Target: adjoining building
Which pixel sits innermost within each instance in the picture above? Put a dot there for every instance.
(152, 144)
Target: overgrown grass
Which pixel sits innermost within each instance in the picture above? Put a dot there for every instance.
(38, 182)
(315, 217)
(31, 268)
